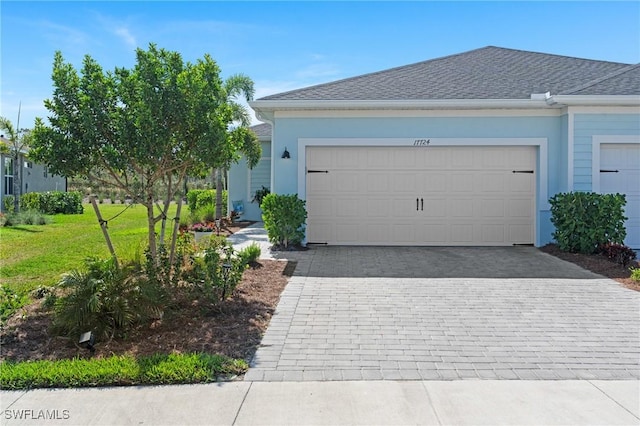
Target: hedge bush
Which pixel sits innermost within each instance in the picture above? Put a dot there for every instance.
(53, 202)
(586, 220)
(199, 198)
(284, 217)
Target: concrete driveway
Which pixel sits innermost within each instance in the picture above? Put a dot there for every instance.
(411, 313)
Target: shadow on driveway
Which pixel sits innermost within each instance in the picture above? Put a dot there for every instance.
(435, 262)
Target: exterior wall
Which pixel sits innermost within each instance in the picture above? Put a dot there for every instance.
(34, 178)
(243, 183)
(586, 126)
(37, 179)
(288, 132)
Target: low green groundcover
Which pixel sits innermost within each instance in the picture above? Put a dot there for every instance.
(118, 370)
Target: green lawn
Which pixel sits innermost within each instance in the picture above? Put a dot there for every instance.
(37, 255)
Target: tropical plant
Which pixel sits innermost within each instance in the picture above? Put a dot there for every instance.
(238, 85)
(250, 254)
(260, 194)
(284, 217)
(106, 298)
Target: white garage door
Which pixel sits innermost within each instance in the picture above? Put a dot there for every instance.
(421, 195)
(620, 173)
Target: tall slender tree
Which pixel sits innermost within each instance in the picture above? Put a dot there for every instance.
(235, 87)
(19, 140)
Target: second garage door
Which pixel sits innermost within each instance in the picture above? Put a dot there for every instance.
(421, 195)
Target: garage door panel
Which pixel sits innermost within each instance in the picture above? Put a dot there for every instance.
(378, 208)
(435, 208)
(404, 182)
(520, 233)
(431, 182)
(519, 208)
(493, 234)
(625, 158)
(435, 159)
(493, 208)
(377, 182)
(421, 196)
(461, 234)
(492, 182)
(461, 208)
(462, 182)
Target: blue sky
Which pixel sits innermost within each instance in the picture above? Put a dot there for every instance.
(288, 45)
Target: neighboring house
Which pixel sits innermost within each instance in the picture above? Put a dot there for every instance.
(33, 177)
(245, 182)
(461, 150)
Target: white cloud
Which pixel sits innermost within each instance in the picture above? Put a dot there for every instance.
(126, 36)
(61, 35)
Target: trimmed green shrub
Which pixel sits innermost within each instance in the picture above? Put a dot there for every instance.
(53, 202)
(198, 198)
(635, 274)
(586, 220)
(119, 370)
(284, 217)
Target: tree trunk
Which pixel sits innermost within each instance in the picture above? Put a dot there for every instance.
(218, 193)
(103, 225)
(17, 185)
(151, 229)
(174, 235)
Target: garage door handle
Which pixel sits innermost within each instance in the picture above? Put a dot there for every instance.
(417, 203)
(608, 171)
(523, 171)
(422, 204)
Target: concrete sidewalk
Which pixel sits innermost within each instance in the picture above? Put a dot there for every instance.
(462, 402)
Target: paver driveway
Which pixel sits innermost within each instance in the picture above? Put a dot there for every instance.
(369, 313)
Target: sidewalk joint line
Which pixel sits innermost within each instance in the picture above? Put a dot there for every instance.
(607, 395)
(244, 398)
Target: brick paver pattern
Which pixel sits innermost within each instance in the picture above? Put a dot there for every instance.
(352, 327)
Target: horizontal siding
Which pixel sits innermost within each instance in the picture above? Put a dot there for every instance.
(585, 127)
(260, 176)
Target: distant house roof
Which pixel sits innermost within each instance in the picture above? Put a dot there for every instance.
(263, 131)
(486, 73)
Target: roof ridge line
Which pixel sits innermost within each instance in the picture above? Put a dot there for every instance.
(600, 79)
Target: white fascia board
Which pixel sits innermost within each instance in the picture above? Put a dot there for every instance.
(264, 106)
(592, 100)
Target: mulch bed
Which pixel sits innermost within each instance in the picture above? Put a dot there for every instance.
(597, 264)
(233, 328)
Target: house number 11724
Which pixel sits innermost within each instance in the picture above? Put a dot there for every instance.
(421, 142)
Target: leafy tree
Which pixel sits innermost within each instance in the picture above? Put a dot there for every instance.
(19, 141)
(141, 128)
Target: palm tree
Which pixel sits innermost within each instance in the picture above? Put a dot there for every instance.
(19, 141)
(240, 138)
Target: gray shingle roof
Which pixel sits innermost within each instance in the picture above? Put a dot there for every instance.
(625, 81)
(486, 73)
(263, 131)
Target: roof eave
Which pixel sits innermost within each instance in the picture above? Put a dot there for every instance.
(269, 106)
(595, 100)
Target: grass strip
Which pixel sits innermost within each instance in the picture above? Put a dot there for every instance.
(119, 370)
